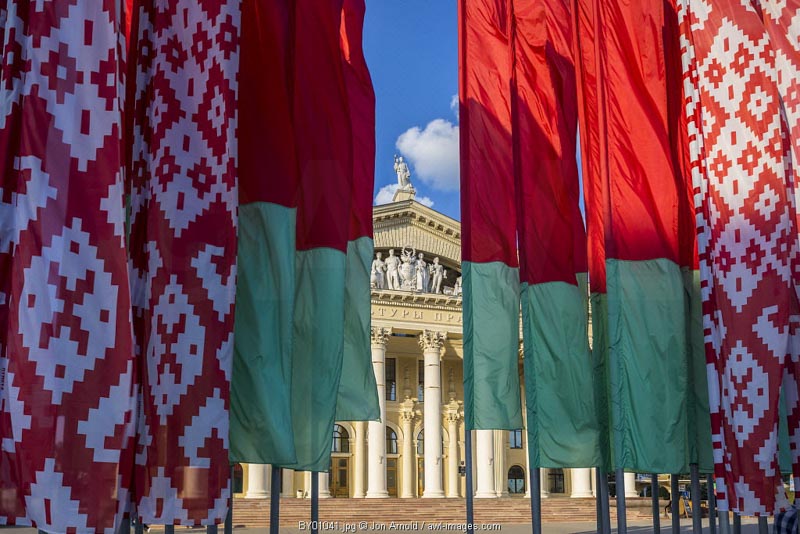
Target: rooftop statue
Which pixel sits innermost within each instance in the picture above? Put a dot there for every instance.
(403, 174)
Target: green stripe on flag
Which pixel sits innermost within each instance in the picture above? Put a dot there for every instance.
(562, 421)
(700, 447)
(598, 306)
(358, 391)
(648, 366)
(260, 414)
(317, 355)
(491, 346)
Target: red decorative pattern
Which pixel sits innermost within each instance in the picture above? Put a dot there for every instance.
(748, 236)
(183, 253)
(67, 369)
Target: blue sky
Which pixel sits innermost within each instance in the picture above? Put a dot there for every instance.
(411, 47)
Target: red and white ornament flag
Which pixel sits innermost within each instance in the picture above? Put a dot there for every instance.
(66, 373)
(183, 253)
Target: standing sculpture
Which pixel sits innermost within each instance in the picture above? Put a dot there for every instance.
(437, 275)
(377, 279)
(407, 269)
(403, 174)
(457, 290)
(423, 276)
(392, 271)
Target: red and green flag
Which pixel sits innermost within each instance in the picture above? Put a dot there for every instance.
(261, 414)
(490, 267)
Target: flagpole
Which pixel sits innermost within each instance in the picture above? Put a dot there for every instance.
(712, 505)
(622, 515)
(468, 469)
(169, 529)
(314, 502)
(598, 502)
(676, 509)
(604, 502)
(228, 529)
(536, 499)
(275, 500)
(697, 513)
(737, 523)
(724, 523)
(763, 525)
(656, 505)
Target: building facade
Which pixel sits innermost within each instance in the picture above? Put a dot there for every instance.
(417, 449)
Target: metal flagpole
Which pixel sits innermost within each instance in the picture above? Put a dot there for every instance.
(169, 529)
(604, 500)
(763, 525)
(125, 525)
(697, 513)
(712, 505)
(598, 501)
(228, 528)
(724, 523)
(656, 506)
(676, 504)
(314, 502)
(275, 501)
(737, 523)
(468, 469)
(622, 514)
(536, 499)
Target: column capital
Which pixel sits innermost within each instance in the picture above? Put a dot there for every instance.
(407, 413)
(453, 412)
(380, 336)
(432, 340)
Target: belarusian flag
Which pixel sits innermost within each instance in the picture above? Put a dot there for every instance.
(324, 144)
(488, 210)
(738, 71)
(358, 391)
(646, 309)
(261, 413)
(562, 423)
(67, 371)
(183, 253)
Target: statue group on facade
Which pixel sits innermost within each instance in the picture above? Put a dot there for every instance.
(407, 272)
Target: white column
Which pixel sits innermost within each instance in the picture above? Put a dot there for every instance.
(376, 433)
(453, 484)
(257, 481)
(544, 483)
(485, 461)
(630, 486)
(358, 460)
(431, 343)
(325, 485)
(409, 459)
(287, 483)
(500, 471)
(581, 483)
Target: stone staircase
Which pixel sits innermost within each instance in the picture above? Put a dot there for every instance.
(508, 511)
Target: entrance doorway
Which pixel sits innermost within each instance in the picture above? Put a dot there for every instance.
(340, 469)
(391, 476)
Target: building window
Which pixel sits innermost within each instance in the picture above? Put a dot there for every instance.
(420, 381)
(555, 478)
(421, 443)
(391, 379)
(515, 439)
(391, 441)
(341, 439)
(516, 480)
(238, 478)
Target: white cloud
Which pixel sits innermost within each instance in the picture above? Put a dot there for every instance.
(433, 152)
(454, 105)
(386, 193)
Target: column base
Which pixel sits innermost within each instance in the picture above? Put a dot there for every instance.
(456, 496)
(433, 494)
(486, 495)
(359, 495)
(407, 496)
(377, 495)
(582, 495)
(325, 495)
(257, 495)
(631, 495)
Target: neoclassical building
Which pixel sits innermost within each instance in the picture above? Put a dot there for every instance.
(417, 449)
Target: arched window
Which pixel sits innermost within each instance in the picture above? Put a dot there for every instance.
(515, 439)
(556, 480)
(341, 439)
(391, 441)
(516, 480)
(421, 442)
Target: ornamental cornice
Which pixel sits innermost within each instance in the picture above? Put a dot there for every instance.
(431, 301)
(432, 340)
(380, 336)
